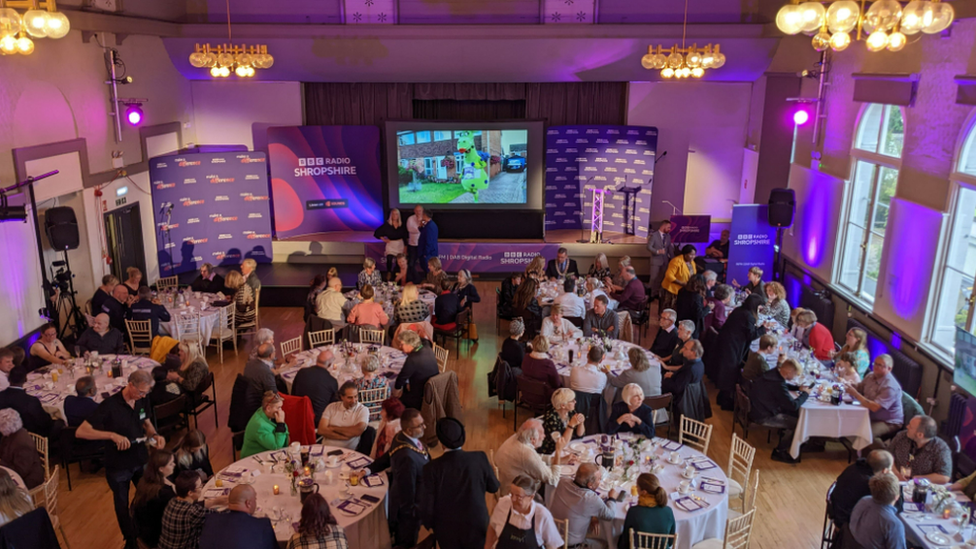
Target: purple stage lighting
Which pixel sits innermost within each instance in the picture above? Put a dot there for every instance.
(133, 114)
(801, 117)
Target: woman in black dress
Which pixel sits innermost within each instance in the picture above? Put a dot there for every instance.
(394, 234)
(690, 304)
(527, 306)
(732, 345)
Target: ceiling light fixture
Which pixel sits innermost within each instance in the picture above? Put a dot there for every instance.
(226, 59)
(681, 62)
(40, 20)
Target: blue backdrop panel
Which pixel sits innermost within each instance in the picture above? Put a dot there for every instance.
(751, 243)
(210, 208)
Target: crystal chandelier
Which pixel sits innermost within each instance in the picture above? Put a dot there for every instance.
(226, 59)
(681, 62)
(885, 25)
(40, 20)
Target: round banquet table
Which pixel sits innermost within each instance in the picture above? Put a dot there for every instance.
(346, 368)
(366, 530)
(692, 526)
(198, 302)
(40, 383)
(617, 363)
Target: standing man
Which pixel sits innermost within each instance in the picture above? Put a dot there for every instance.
(453, 500)
(122, 419)
(250, 277)
(562, 267)
(209, 281)
(662, 252)
(414, 222)
(149, 309)
(428, 239)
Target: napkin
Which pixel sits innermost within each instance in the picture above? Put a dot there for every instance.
(688, 504)
(712, 488)
(352, 506)
(672, 446)
(373, 481)
(359, 462)
(704, 465)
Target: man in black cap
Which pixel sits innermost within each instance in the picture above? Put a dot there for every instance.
(452, 503)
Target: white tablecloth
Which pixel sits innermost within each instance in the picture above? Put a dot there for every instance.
(344, 368)
(691, 527)
(916, 521)
(368, 530)
(820, 419)
(198, 303)
(52, 394)
(560, 355)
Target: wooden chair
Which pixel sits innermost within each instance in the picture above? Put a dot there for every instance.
(320, 338)
(198, 400)
(491, 460)
(257, 310)
(640, 540)
(224, 330)
(829, 527)
(140, 336)
(696, 434)
(41, 444)
(375, 337)
(73, 450)
(291, 346)
(661, 402)
(737, 533)
(372, 399)
(188, 326)
(170, 416)
(740, 466)
(459, 332)
(563, 526)
(46, 496)
(531, 394)
(749, 500)
(442, 354)
(167, 282)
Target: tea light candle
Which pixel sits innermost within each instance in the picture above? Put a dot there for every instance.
(275, 489)
(308, 472)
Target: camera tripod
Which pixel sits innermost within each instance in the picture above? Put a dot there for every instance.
(61, 288)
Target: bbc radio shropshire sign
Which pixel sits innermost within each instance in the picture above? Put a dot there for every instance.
(210, 208)
(325, 179)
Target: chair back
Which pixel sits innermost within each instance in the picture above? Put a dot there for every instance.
(641, 540)
(373, 399)
(225, 323)
(46, 496)
(442, 355)
(42, 449)
(752, 491)
(694, 433)
(659, 402)
(374, 337)
(532, 394)
(167, 282)
(738, 531)
(563, 526)
(140, 336)
(320, 338)
(291, 346)
(189, 330)
(257, 309)
(594, 408)
(743, 406)
(169, 410)
(830, 529)
(740, 460)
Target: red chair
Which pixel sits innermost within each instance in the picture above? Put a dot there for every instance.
(300, 419)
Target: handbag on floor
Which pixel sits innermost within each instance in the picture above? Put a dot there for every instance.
(472, 331)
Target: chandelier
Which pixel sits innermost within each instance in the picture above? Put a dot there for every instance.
(41, 20)
(226, 59)
(886, 24)
(683, 62)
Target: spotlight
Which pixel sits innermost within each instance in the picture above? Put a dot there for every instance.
(801, 117)
(134, 115)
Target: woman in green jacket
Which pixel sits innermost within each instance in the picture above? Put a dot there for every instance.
(651, 515)
(266, 430)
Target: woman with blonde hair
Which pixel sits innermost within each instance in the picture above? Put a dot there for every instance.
(557, 329)
(600, 268)
(631, 415)
(561, 419)
(394, 234)
(243, 297)
(776, 303)
(435, 275)
(651, 515)
(331, 273)
(193, 367)
(856, 343)
(14, 501)
(641, 372)
(193, 454)
(536, 269)
(133, 281)
(411, 309)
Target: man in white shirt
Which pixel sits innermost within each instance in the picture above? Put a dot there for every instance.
(414, 222)
(6, 364)
(557, 329)
(517, 515)
(517, 456)
(589, 378)
(345, 421)
(329, 304)
(572, 304)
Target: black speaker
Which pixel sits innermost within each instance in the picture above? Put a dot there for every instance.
(62, 228)
(782, 204)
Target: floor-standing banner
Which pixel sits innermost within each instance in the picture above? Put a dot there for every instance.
(210, 208)
(750, 243)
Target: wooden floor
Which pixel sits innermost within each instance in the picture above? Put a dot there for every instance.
(790, 503)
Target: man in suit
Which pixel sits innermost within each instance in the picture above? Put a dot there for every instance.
(667, 335)
(453, 500)
(117, 308)
(562, 267)
(427, 246)
(209, 281)
(662, 252)
(405, 460)
(237, 527)
(248, 266)
(260, 370)
(148, 309)
(692, 372)
(36, 420)
(773, 405)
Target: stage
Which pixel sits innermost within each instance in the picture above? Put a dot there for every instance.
(556, 237)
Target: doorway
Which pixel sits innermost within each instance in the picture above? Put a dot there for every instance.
(123, 236)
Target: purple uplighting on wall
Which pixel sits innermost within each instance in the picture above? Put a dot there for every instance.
(817, 213)
(909, 284)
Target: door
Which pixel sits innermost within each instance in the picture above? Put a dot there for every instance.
(123, 235)
(441, 168)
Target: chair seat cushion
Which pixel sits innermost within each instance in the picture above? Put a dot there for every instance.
(735, 489)
(446, 327)
(708, 544)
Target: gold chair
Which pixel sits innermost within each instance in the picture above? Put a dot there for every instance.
(695, 434)
(740, 466)
(291, 346)
(167, 282)
(640, 540)
(371, 336)
(46, 496)
(189, 329)
(442, 355)
(41, 444)
(140, 336)
(372, 399)
(224, 330)
(737, 533)
(563, 526)
(320, 338)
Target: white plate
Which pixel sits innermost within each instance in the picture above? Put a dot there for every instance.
(577, 447)
(566, 470)
(938, 538)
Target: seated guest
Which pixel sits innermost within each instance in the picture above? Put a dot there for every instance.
(208, 282)
(615, 283)
(631, 415)
(465, 290)
(369, 276)
(344, 422)
(513, 350)
(691, 372)
(536, 269)
(18, 451)
(776, 303)
(420, 365)
(520, 521)
(435, 275)
(755, 285)
(7, 364)
(401, 271)
(852, 484)
(874, 521)
(410, 309)
(193, 367)
(371, 380)
(720, 302)
(153, 493)
(651, 515)
(368, 312)
(317, 383)
(691, 305)
(600, 268)
(577, 501)
(103, 293)
(330, 303)
(680, 269)
(48, 349)
(557, 329)
(538, 366)
(588, 378)
(507, 295)
(35, 419)
(517, 456)
(844, 370)
(600, 320)
(855, 342)
(102, 338)
(675, 359)
(248, 271)
(117, 308)
(260, 369)
(193, 454)
(147, 308)
(920, 453)
(14, 501)
(267, 429)
(562, 267)
(446, 307)
(572, 304)
(317, 527)
(816, 335)
(560, 419)
(237, 527)
(79, 406)
(185, 514)
(641, 372)
(390, 412)
(772, 404)
(880, 393)
(759, 362)
(133, 283)
(163, 390)
(243, 294)
(666, 338)
(594, 288)
(719, 249)
(527, 306)
(632, 296)
(711, 280)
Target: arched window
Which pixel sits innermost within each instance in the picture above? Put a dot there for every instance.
(877, 158)
(955, 306)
